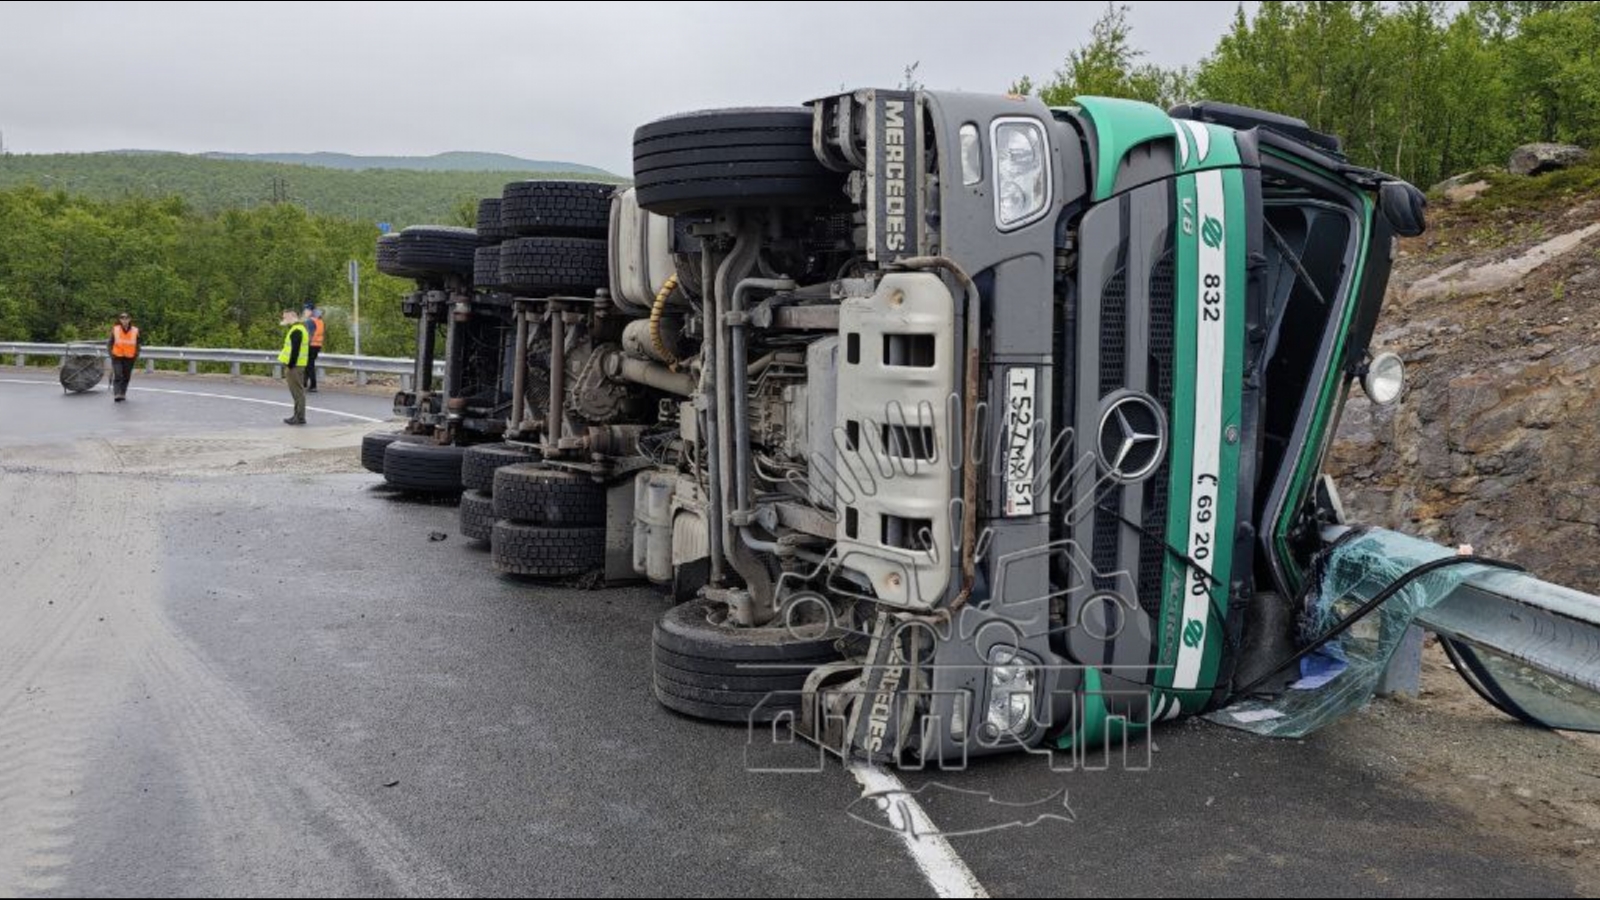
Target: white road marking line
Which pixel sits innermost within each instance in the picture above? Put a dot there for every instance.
(943, 868)
(279, 403)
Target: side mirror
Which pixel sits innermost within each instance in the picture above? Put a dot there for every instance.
(1405, 207)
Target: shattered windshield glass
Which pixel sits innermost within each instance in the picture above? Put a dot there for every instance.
(1543, 666)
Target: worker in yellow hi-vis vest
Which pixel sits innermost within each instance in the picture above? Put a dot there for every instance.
(294, 356)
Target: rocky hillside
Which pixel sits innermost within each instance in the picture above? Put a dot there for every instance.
(1497, 444)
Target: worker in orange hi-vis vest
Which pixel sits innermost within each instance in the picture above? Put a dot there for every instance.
(318, 330)
(124, 349)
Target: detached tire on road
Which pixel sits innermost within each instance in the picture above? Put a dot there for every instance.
(477, 470)
(535, 551)
(551, 497)
(477, 517)
(424, 468)
(731, 158)
(707, 669)
(375, 445)
(557, 209)
(551, 266)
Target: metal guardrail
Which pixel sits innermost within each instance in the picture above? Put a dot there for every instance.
(362, 366)
(1513, 617)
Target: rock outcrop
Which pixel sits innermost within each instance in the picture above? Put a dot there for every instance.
(1537, 159)
(1497, 442)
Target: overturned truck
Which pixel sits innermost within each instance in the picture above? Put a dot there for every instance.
(955, 424)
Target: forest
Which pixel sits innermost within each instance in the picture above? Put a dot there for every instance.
(206, 252)
(398, 196)
(69, 264)
(1420, 88)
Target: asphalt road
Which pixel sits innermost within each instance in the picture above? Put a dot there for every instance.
(283, 683)
(38, 411)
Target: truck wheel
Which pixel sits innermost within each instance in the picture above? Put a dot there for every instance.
(424, 468)
(477, 517)
(477, 470)
(557, 208)
(437, 250)
(539, 496)
(708, 669)
(489, 229)
(389, 258)
(535, 551)
(549, 266)
(486, 268)
(731, 157)
(374, 445)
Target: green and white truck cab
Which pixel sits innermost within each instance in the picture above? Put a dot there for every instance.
(1164, 313)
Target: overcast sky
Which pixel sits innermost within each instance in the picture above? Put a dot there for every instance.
(565, 81)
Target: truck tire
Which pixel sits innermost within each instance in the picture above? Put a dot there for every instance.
(477, 470)
(725, 675)
(424, 468)
(374, 445)
(486, 268)
(551, 266)
(706, 669)
(438, 250)
(535, 551)
(81, 374)
(490, 231)
(477, 517)
(551, 497)
(731, 158)
(557, 209)
(389, 258)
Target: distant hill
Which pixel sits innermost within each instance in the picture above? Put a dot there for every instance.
(402, 196)
(444, 162)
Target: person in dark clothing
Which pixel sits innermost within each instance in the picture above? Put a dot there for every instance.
(123, 346)
(318, 331)
(294, 356)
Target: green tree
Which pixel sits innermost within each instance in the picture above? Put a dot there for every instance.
(69, 263)
(1109, 66)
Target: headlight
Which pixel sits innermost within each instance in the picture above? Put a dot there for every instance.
(1013, 683)
(1385, 380)
(1021, 172)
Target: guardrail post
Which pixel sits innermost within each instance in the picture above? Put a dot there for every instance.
(361, 378)
(194, 367)
(149, 366)
(21, 360)
(277, 372)
(234, 369)
(405, 383)
(1403, 678)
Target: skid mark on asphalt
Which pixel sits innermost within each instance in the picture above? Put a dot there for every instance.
(266, 799)
(57, 680)
(943, 868)
(85, 632)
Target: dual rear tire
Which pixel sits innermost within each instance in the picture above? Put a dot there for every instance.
(549, 523)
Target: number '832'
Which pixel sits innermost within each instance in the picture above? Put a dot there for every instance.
(1212, 298)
